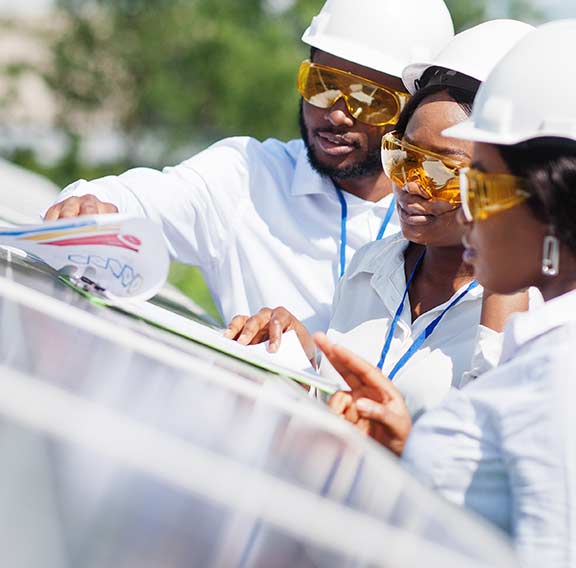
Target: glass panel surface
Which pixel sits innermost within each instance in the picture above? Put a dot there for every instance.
(126, 446)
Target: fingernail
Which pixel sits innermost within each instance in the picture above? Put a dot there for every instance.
(273, 347)
(243, 339)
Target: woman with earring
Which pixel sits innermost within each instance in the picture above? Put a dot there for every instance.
(505, 445)
(410, 304)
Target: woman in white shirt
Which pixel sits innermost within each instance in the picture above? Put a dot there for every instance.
(409, 303)
(505, 445)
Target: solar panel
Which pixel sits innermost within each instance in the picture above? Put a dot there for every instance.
(123, 445)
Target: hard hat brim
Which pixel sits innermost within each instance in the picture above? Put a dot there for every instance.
(412, 73)
(467, 130)
(369, 58)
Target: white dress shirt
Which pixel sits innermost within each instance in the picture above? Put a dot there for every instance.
(366, 300)
(262, 225)
(505, 445)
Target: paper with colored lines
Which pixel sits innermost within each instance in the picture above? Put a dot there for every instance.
(125, 257)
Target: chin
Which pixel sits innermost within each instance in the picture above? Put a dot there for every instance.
(415, 235)
(412, 234)
(498, 283)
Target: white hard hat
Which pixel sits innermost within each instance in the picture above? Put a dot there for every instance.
(384, 35)
(530, 94)
(473, 52)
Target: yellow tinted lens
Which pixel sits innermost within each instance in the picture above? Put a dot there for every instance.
(371, 105)
(395, 161)
(404, 163)
(318, 88)
(488, 194)
(451, 193)
(367, 102)
(441, 180)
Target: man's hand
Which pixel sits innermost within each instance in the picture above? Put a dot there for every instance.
(269, 325)
(374, 405)
(76, 206)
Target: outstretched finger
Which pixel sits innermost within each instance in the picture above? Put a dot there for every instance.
(235, 326)
(369, 375)
(357, 372)
(330, 349)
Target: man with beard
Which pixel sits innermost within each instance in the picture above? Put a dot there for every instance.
(273, 223)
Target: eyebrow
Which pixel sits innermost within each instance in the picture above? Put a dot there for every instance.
(440, 150)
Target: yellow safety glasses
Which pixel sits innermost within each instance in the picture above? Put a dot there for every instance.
(484, 194)
(366, 101)
(436, 175)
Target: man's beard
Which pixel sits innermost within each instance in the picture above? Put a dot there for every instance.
(370, 166)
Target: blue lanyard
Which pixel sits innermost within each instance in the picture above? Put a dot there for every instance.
(344, 223)
(425, 334)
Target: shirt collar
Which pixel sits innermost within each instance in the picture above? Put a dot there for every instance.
(386, 254)
(523, 328)
(307, 181)
(384, 260)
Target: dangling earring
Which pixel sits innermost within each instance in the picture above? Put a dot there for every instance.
(551, 256)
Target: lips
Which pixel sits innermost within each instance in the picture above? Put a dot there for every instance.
(469, 255)
(335, 144)
(413, 215)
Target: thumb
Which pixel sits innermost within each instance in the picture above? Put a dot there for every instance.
(372, 410)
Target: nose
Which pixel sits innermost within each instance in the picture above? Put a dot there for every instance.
(338, 115)
(414, 188)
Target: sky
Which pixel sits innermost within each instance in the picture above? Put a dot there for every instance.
(558, 8)
(24, 6)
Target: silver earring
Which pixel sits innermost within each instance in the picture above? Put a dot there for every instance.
(551, 256)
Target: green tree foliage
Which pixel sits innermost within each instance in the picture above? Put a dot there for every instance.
(467, 13)
(179, 71)
(178, 74)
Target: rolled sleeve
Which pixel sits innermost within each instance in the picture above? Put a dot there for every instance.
(197, 203)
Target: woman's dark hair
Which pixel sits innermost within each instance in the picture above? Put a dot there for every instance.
(464, 97)
(548, 166)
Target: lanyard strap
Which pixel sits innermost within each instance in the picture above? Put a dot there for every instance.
(344, 229)
(398, 313)
(417, 343)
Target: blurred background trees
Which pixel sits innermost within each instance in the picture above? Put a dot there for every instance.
(168, 77)
(149, 82)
